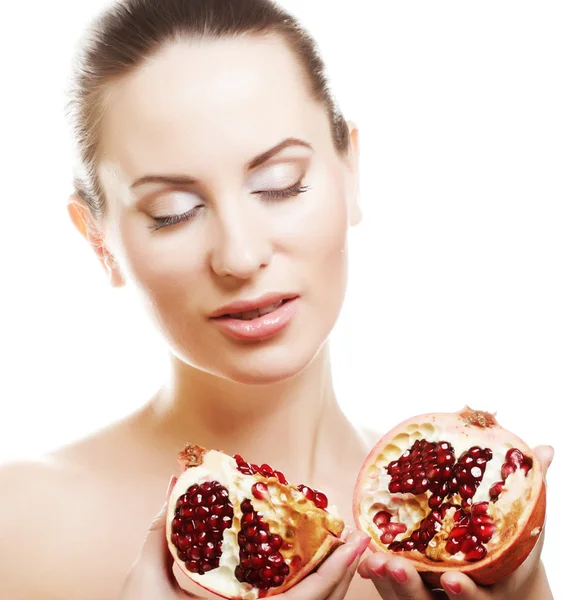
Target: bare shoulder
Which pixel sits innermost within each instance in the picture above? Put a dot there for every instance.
(61, 512)
(32, 500)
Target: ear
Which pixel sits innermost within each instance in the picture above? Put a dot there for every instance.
(354, 168)
(85, 223)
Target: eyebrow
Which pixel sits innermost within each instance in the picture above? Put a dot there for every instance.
(252, 164)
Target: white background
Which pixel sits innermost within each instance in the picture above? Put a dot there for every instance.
(465, 274)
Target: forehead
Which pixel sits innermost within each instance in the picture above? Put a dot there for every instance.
(200, 101)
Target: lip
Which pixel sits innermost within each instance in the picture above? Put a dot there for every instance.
(260, 328)
(257, 303)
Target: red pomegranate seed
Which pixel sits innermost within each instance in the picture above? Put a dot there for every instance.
(477, 553)
(281, 478)
(307, 492)
(459, 531)
(453, 546)
(484, 531)
(431, 468)
(260, 491)
(261, 564)
(202, 515)
(382, 519)
(469, 543)
(320, 500)
(507, 469)
(496, 490)
(480, 508)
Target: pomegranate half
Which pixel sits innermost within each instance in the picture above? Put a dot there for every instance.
(452, 491)
(241, 530)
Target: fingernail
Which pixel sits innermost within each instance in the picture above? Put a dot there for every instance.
(352, 557)
(452, 587)
(379, 571)
(398, 575)
(363, 545)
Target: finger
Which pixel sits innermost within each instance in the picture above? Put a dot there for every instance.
(152, 570)
(545, 454)
(346, 533)
(395, 578)
(321, 584)
(155, 548)
(342, 588)
(460, 587)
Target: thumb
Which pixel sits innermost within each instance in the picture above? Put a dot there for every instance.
(155, 548)
(545, 454)
(145, 580)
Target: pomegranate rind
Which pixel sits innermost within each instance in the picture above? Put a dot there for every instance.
(523, 517)
(309, 533)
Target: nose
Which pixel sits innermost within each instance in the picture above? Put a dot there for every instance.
(241, 246)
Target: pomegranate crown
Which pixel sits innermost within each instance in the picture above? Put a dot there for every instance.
(478, 418)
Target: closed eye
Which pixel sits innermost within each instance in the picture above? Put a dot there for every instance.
(161, 222)
(294, 190)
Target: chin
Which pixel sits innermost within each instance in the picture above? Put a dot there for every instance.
(269, 366)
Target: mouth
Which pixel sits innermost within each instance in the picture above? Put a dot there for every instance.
(249, 310)
(258, 319)
(250, 315)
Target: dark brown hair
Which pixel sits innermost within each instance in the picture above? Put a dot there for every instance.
(126, 34)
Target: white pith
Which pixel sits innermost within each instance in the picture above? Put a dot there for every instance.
(249, 315)
(410, 509)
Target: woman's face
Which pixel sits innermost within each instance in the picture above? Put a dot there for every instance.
(223, 186)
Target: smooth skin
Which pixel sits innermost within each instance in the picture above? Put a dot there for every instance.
(73, 524)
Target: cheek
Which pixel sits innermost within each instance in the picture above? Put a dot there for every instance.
(324, 232)
(162, 266)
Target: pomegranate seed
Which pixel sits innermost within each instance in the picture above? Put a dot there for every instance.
(432, 468)
(476, 553)
(204, 512)
(185, 542)
(307, 492)
(387, 538)
(496, 490)
(485, 531)
(453, 546)
(188, 527)
(281, 478)
(266, 471)
(514, 456)
(506, 470)
(260, 563)
(320, 500)
(480, 508)
(260, 491)
(459, 531)
(192, 566)
(382, 519)
(469, 543)
(275, 560)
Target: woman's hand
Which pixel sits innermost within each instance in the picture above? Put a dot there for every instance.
(396, 579)
(151, 577)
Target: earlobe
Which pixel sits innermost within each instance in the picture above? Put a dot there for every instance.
(84, 222)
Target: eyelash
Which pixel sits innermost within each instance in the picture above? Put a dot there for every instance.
(271, 195)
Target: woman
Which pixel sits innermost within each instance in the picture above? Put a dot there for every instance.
(218, 177)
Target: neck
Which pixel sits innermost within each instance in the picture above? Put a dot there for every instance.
(287, 424)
